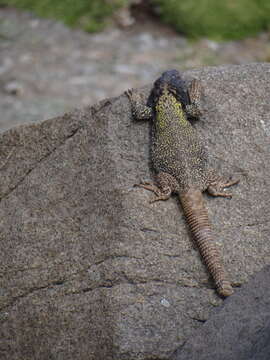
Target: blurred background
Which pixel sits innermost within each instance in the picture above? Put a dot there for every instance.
(59, 54)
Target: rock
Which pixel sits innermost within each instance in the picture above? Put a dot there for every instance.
(89, 269)
(240, 330)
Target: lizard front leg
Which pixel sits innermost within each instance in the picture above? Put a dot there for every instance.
(194, 91)
(138, 108)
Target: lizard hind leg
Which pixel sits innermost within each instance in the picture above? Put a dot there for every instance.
(165, 186)
(217, 185)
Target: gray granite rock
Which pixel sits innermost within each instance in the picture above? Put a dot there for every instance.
(240, 330)
(89, 269)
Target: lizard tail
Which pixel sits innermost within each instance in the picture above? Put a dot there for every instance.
(197, 218)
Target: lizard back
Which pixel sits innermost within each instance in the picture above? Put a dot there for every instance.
(176, 148)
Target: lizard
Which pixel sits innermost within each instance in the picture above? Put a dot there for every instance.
(181, 164)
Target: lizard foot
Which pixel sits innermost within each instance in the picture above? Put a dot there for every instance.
(163, 194)
(216, 188)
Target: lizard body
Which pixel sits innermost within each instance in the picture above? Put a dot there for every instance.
(181, 164)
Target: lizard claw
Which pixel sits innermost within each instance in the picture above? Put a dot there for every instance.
(141, 183)
(159, 197)
(148, 186)
(128, 93)
(231, 182)
(224, 194)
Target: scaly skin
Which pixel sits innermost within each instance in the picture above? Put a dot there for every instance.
(180, 161)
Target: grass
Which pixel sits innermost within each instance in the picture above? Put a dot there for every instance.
(91, 15)
(219, 20)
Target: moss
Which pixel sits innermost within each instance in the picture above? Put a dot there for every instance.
(227, 19)
(90, 15)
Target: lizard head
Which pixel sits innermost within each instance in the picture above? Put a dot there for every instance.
(170, 82)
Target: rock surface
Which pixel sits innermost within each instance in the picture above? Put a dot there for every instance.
(89, 269)
(238, 331)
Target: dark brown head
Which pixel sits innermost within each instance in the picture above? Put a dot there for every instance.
(172, 82)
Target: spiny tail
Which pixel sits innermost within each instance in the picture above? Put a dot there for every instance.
(197, 218)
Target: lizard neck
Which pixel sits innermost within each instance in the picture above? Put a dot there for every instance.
(169, 112)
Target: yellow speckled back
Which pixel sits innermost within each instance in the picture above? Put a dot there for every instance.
(176, 148)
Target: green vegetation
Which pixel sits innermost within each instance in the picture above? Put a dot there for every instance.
(91, 15)
(226, 19)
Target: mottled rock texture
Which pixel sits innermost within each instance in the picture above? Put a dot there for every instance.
(88, 268)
